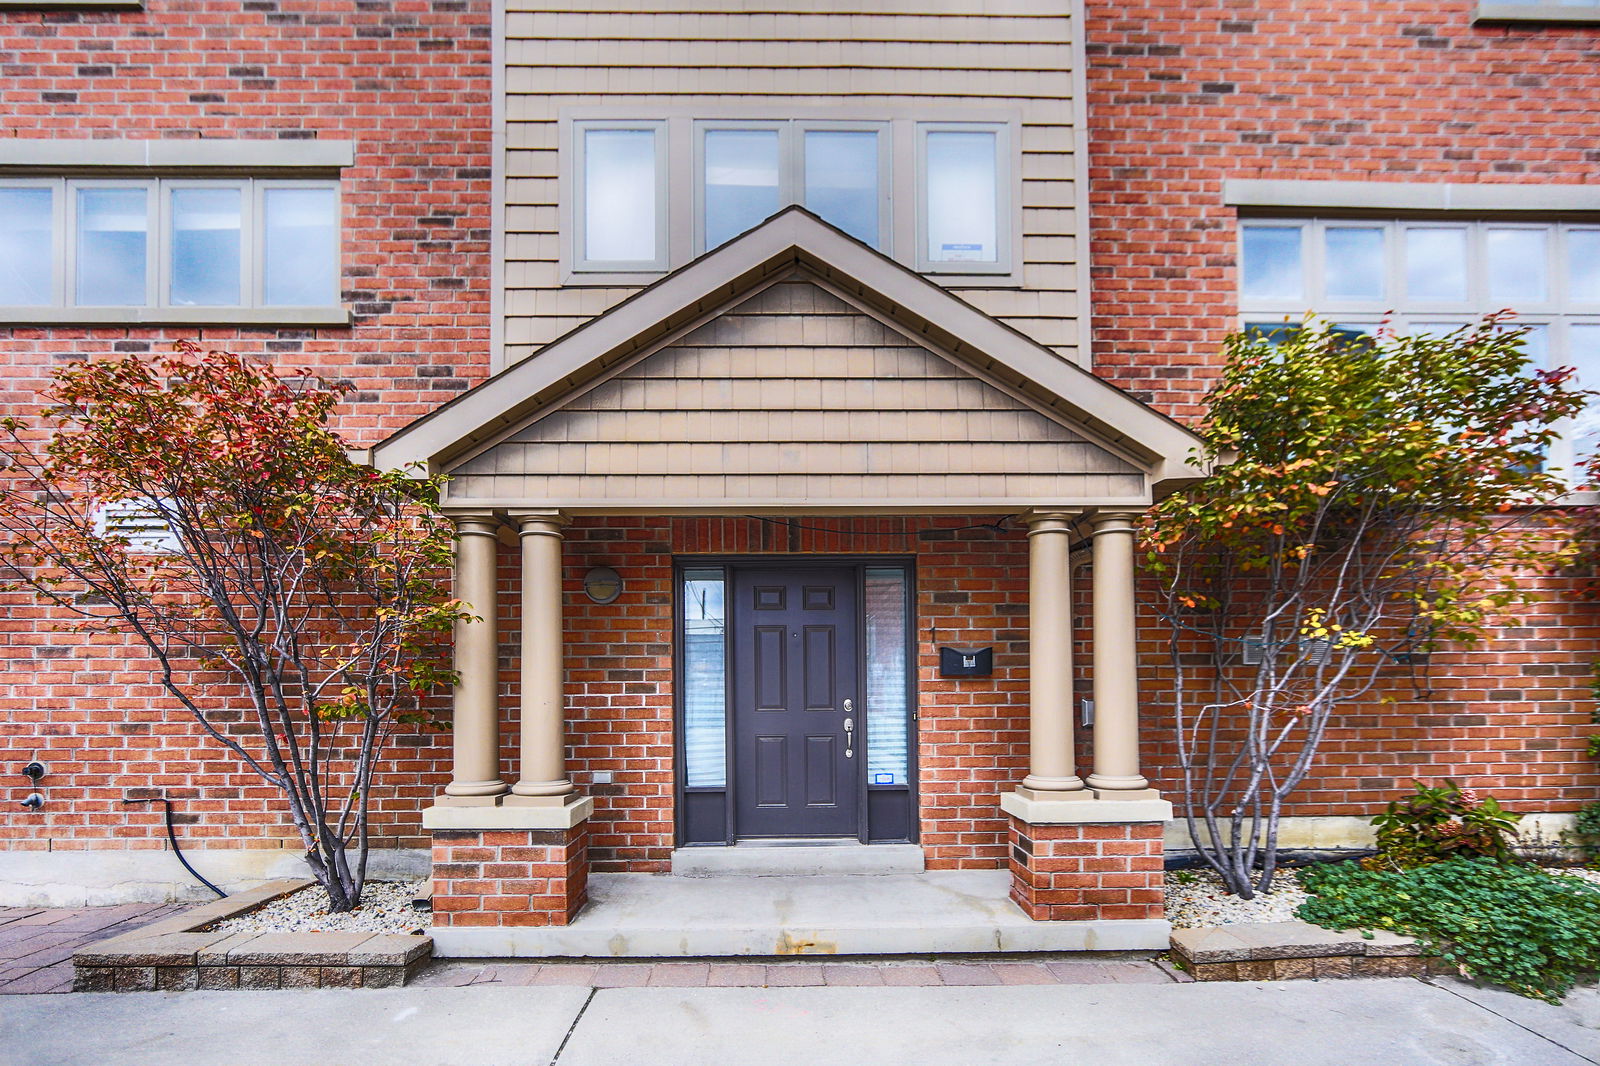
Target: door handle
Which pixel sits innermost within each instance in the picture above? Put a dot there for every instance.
(849, 734)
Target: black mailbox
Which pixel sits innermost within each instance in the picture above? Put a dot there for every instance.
(966, 662)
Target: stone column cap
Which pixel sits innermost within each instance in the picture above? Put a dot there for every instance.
(565, 816)
(1082, 810)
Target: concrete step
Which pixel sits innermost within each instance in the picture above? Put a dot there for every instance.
(800, 859)
(666, 916)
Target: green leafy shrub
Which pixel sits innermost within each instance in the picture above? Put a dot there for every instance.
(1442, 822)
(1510, 924)
(1588, 828)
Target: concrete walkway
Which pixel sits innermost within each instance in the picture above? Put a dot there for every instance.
(1397, 1022)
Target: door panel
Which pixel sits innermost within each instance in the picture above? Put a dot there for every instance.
(795, 652)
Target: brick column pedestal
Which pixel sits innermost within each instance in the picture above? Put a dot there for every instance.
(1087, 872)
(509, 877)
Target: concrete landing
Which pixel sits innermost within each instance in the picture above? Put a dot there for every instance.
(781, 860)
(662, 916)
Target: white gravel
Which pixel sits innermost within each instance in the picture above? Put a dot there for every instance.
(1196, 898)
(1591, 876)
(385, 908)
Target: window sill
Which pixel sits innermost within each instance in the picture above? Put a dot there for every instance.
(1488, 12)
(174, 316)
(56, 5)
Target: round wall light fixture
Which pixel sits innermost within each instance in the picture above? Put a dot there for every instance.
(602, 584)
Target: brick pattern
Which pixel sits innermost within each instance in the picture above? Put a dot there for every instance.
(971, 590)
(1181, 98)
(1087, 872)
(509, 877)
(409, 84)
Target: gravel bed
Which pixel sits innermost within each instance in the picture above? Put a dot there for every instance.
(385, 908)
(1196, 898)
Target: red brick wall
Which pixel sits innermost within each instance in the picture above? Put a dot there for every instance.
(509, 876)
(408, 82)
(1183, 96)
(1075, 873)
(971, 589)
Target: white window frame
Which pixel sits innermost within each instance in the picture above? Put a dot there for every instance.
(578, 199)
(169, 218)
(792, 166)
(58, 239)
(680, 183)
(886, 168)
(158, 306)
(1008, 173)
(258, 237)
(152, 241)
(1556, 314)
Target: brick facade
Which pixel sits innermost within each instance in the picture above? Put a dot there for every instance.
(1181, 98)
(504, 877)
(408, 83)
(1086, 872)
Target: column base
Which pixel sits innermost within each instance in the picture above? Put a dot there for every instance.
(1088, 871)
(488, 799)
(489, 878)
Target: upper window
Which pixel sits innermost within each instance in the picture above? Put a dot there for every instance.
(168, 244)
(1434, 277)
(651, 194)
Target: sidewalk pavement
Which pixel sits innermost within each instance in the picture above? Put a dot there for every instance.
(1397, 1022)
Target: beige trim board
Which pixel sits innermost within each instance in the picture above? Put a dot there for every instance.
(793, 239)
(555, 816)
(1342, 831)
(1409, 196)
(58, 5)
(796, 506)
(1489, 12)
(231, 156)
(175, 316)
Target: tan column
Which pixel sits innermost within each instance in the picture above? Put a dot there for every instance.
(1116, 689)
(475, 734)
(1050, 756)
(544, 752)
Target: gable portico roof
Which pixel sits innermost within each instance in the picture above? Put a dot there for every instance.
(793, 240)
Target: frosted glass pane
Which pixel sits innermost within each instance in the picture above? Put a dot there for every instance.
(1584, 354)
(206, 247)
(1516, 265)
(1583, 265)
(963, 204)
(741, 181)
(1355, 267)
(887, 758)
(301, 231)
(113, 241)
(619, 195)
(1436, 264)
(705, 666)
(1272, 267)
(27, 257)
(842, 180)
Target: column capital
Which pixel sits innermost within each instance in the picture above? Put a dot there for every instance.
(476, 525)
(548, 523)
(1113, 522)
(1050, 519)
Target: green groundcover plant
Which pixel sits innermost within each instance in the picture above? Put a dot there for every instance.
(1509, 924)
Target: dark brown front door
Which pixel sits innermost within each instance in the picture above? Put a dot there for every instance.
(794, 699)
